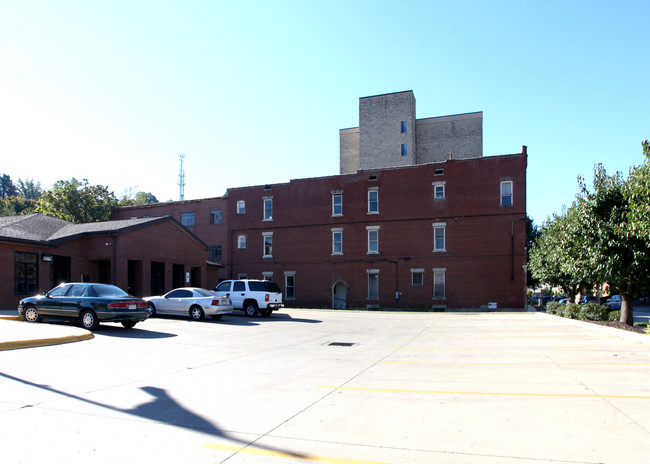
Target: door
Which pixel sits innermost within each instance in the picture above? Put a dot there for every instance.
(339, 296)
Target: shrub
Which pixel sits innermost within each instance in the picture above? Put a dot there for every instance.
(594, 312)
(553, 307)
(571, 311)
(614, 316)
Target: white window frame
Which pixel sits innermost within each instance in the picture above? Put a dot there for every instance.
(268, 211)
(375, 202)
(267, 243)
(335, 206)
(290, 276)
(373, 238)
(439, 280)
(267, 275)
(439, 228)
(504, 195)
(439, 190)
(241, 242)
(337, 232)
(241, 207)
(414, 272)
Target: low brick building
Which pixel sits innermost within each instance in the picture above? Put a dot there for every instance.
(144, 256)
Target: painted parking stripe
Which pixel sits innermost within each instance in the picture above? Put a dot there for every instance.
(475, 393)
(515, 363)
(284, 454)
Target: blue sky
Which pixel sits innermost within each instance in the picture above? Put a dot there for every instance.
(254, 92)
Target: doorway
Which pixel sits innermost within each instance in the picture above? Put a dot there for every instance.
(339, 296)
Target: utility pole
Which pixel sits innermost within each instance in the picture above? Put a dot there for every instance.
(181, 179)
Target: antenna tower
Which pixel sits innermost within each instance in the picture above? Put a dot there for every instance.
(181, 179)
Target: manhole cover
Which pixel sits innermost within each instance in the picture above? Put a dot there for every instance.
(341, 344)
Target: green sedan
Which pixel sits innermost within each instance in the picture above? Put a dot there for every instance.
(86, 303)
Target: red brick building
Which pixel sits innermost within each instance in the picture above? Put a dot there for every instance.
(448, 235)
(144, 256)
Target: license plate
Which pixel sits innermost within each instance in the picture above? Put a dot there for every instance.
(133, 306)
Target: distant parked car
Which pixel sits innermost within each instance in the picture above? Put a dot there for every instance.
(588, 299)
(252, 296)
(614, 302)
(87, 303)
(193, 302)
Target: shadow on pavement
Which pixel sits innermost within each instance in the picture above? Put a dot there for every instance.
(162, 408)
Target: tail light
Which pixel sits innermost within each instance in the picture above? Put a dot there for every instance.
(215, 302)
(266, 297)
(128, 305)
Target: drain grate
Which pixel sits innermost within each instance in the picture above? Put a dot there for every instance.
(340, 344)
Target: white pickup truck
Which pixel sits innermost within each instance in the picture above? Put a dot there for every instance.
(252, 296)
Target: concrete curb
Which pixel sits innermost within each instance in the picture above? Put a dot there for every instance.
(41, 335)
(637, 337)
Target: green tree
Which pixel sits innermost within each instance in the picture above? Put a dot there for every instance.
(77, 201)
(614, 255)
(13, 206)
(558, 255)
(7, 188)
(637, 192)
(29, 189)
(139, 198)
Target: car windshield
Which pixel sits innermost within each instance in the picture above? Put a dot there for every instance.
(107, 290)
(202, 292)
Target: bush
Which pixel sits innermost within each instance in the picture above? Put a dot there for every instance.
(570, 311)
(594, 312)
(553, 307)
(614, 316)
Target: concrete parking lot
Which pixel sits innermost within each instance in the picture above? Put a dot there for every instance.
(336, 387)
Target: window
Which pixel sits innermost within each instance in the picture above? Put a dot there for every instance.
(25, 273)
(506, 193)
(238, 286)
(215, 216)
(404, 127)
(266, 277)
(187, 219)
(337, 204)
(241, 242)
(337, 241)
(290, 285)
(373, 284)
(439, 190)
(373, 201)
(215, 253)
(439, 284)
(405, 149)
(224, 286)
(417, 277)
(241, 207)
(268, 208)
(268, 244)
(373, 239)
(439, 236)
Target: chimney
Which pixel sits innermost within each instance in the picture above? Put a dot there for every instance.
(524, 150)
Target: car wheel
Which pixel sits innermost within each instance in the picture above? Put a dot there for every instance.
(196, 313)
(128, 324)
(152, 309)
(250, 309)
(89, 320)
(31, 314)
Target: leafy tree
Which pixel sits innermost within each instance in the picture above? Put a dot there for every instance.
(558, 256)
(614, 255)
(140, 198)
(13, 206)
(77, 201)
(7, 188)
(637, 192)
(29, 189)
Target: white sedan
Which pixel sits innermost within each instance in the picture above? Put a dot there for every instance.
(190, 301)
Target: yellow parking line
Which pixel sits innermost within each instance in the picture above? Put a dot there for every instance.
(473, 393)
(516, 363)
(284, 454)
